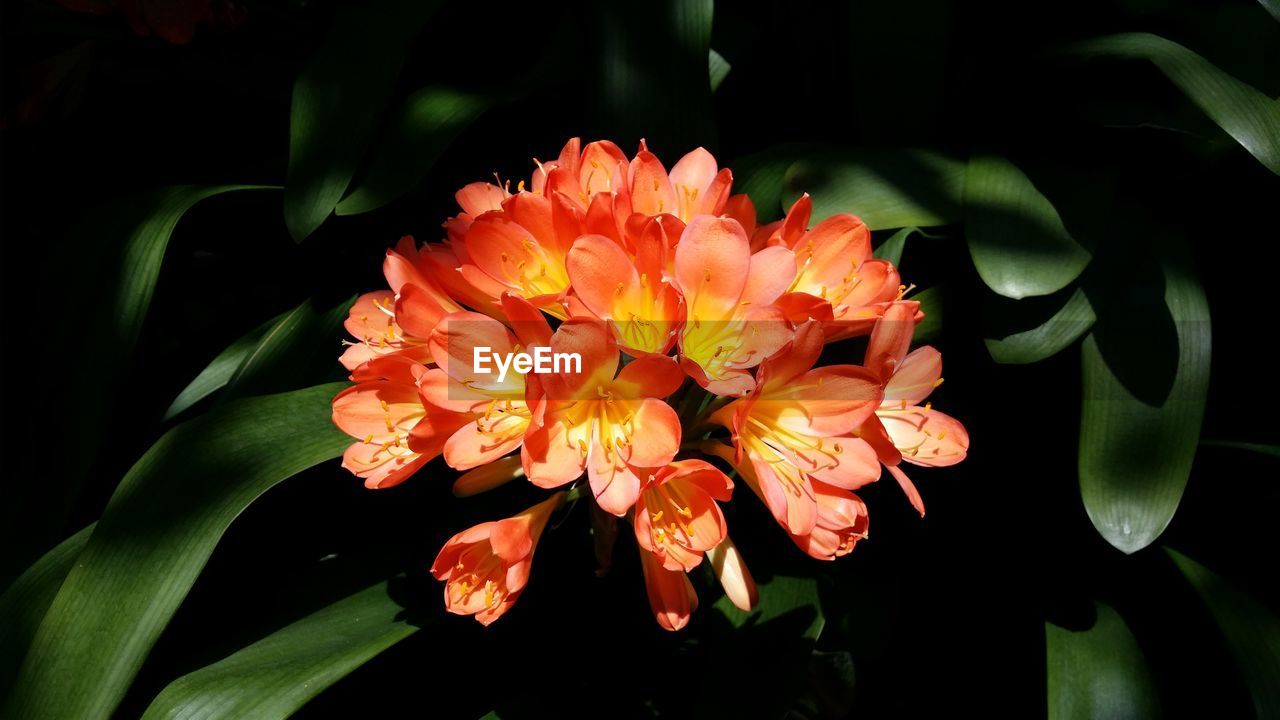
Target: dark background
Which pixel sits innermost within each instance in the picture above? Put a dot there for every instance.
(939, 615)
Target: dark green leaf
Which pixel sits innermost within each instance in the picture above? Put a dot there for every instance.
(719, 68)
(156, 534)
(1018, 243)
(1099, 672)
(1246, 114)
(1273, 450)
(338, 101)
(638, 87)
(1146, 374)
(887, 188)
(1067, 325)
(431, 119)
(275, 676)
(891, 249)
(1252, 632)
(762, 177)
(778, 597)
(290, 354)
(1272, 6)
(219, 370)
(931, 305)
(23, 605)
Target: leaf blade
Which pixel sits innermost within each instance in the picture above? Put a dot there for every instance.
(1098, 672)
(1018, 242)
(278, 674)
(1138, 434)
(121, 592)
(1244, 113)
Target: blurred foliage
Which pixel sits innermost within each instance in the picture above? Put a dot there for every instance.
(1082, 185)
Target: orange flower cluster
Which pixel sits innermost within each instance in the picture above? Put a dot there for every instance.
(668, 294)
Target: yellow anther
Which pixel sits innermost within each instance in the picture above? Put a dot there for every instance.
(385, 408)
(657, 517)
(940, 436)
(904, 403)
(937, 382)
(928, 406)
(839, 449)
(520, 186)
(685, 511)
(368, 439)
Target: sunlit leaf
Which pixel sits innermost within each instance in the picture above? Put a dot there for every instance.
(762, 177)
(275, 676)
(1272, 6)
(891, 249)
(1018, 242)
(154, 537)
(23, 605)
(719, 68)
(1098, 672)
(219, 370)
(886, 187)
(338, 101)
(778, 597)
(431, 119)
(1146, 375)
(1068, 324)
(292, 353)
(1251, 630)
(1246, 114)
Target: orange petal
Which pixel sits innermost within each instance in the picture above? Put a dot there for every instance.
(731, 570)
(487, 477)
(890, 340)
(711, 264)
(671, 595)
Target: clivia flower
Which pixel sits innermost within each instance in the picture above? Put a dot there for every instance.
(602, 422)
(731, 324)
(901, 428)
(676, 516)
(837, 280)
(796, 428)
(486, 567)
(666, 293)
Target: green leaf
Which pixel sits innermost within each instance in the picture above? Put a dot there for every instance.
(1146, 375)
(637, 87)
(1099, 672)
(719, 68)
(275, 676)
(930, 301)
(23, 605)
(886, 187)
(1252, 632)
(778, 597)
(215, 376)
(289, 354)
(1068, 324)
(156, 534)
(1247, 115)
(431, 119)
(762, 177)
(338, 101)
(1272, 450)
(892, 248)
(1018, 243)
(1272, 6)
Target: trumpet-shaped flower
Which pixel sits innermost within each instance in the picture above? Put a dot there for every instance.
(397, 321)
(486, 567)
(521, 248)
(837, 280)
(695, 186)
(600, 424)
(631, 294)
(676, 516)
(902, 428)
(797, 426)
(496, 412)
(731, 324)
(671, 595)
(397, 431)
